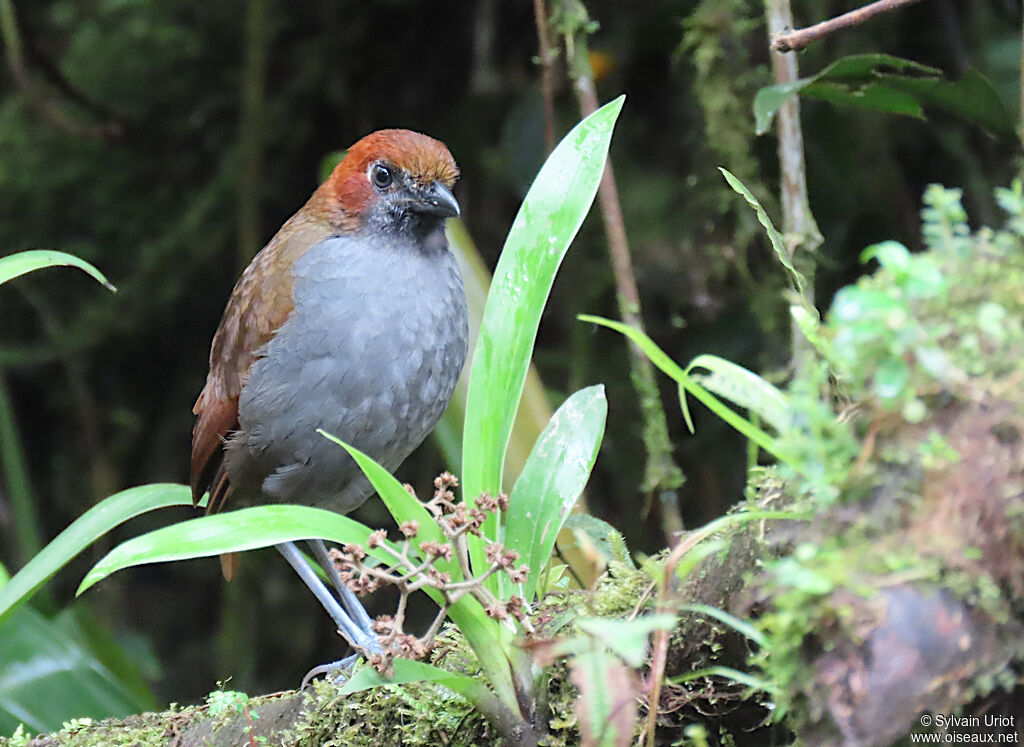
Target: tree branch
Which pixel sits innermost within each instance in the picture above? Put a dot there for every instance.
(662, 476)
(792, 40)
(800, 230)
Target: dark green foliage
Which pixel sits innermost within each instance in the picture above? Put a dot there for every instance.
(102, 385)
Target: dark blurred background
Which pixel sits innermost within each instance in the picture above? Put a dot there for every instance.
(124, 139)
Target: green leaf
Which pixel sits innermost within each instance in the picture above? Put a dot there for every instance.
(551, 481)
(82, 532)
(754, 683)
(890, 84)
(605, 539)
(245, 529)
(607, 706)
(669, 367)
(14, 265)
(547, 222)
(490, 642)
(626, 638)
(695, 555)
(745, 388)
(482, 633)
(406, 671)
(400, 504)
(740, 626)
(48, 674)
(776, 239)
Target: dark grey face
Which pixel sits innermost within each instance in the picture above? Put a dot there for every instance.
(405, 204)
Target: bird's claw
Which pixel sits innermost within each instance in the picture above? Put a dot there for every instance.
(341, 666)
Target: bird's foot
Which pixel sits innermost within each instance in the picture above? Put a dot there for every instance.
(338, 671)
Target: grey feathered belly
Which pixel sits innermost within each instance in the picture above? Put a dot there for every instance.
(371, 354)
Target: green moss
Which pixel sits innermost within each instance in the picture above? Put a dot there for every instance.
(930, 347)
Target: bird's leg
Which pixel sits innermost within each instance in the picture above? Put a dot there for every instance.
(354, 632)
(349, 600)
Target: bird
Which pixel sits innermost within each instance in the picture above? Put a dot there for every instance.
(352, 319)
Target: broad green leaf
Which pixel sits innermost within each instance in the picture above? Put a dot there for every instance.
(234, 531)
(889, 84)
(551, 214)
(49, 675)
(14, 265)
(626, 638)
(85, 530)
(776, 239)
(669, 367)
(262, 526)
(534, 408)
(745, 388)
(552, 478)
(400, 504)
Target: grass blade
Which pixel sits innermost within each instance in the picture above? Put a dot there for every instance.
(14, 265)
(245, 529)
(672, 369)
(82, 532)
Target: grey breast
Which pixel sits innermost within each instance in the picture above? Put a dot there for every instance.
(371, 354)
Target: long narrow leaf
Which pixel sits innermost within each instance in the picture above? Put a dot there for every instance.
(246, 529)
(669, 367)
(82, 532)
(551, 481)
(490, 642)
(481, 632)
(745, 388)
(754, 683)
(407, 670)
(778, 243)
(14, 265)
(740, 626)
(401, 505)
(548, 220)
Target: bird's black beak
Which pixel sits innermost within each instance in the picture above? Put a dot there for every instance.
(437, 200)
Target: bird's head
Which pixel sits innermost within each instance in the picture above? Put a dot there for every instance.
(393, 180)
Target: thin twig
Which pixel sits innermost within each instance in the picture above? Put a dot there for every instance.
(50, 109)
(662, 475)
(800, 230)
(789, 40)
(547, 72)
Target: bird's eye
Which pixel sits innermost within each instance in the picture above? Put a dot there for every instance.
(381, 177)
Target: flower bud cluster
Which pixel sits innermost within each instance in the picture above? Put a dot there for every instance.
(432, 566)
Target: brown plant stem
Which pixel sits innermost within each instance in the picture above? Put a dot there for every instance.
(660, 639)
(662, 476)
(547, 72)
(787, 39)
(798, 225)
